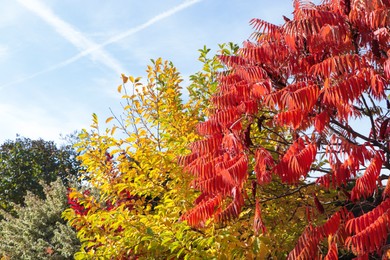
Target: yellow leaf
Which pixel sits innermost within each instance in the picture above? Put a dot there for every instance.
(124, 78)
(120, 88)
(137, 79)
(94, 118)
(113, 130)
(131, 78)
(109, 119)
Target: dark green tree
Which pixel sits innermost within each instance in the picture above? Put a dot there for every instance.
(25, 162)
(36, 230)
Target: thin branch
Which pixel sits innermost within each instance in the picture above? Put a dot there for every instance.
(365, 138)
(319, 170)
(341, 135)
(277, 134)
(288, 193)
(369, 113)
(120, 122)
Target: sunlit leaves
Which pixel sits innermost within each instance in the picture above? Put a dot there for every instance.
(137, 191)
(303, 84)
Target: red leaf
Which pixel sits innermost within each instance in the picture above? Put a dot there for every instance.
(366, 184)
(296, 161)
(263, 160)
(321, 121)
(332, 251)
(384, 129)
(318, 204)
(369, 232)
(257, 221)
(233, 209)
(202, 211)
(386, 191)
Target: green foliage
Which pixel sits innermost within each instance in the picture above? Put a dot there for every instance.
(38, 231)
(204, 82)
(25, 162)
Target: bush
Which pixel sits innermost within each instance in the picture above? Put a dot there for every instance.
(38, 231)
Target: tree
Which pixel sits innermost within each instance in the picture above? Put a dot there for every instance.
(38, 231)
(138, 191)
(314, 76)
(135, 199)
(25, 162)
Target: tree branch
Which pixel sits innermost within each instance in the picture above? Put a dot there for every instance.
(363, 137)
(369, 113)
(288, 193)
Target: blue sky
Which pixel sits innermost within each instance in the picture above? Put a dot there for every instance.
(60, 61)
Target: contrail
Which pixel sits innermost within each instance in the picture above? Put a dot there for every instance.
(86, 46)
(72, 35)
(141, 27)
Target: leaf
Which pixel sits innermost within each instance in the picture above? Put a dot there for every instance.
(332, 251)
(108, 120)
(384, 129)
(366, 184)
(263, 160)
(321, 121)
(204, 210)
(369, 237)
(95, 119)
(307, 245)
(131, 78)
(113, 129)
(124, 78)
(296, 161)
(318, 204)
(257, 221)
(343, 64)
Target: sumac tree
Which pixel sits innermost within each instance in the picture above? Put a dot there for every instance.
(303, 105)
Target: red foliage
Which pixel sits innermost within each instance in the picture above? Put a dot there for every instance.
(369, 232)
(257, 221)
(296, 162)
(333, 229)
(80, 207)
(263, 160)
(75, 204)
(322, 69)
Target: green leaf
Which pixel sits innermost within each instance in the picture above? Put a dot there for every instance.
(149, 231)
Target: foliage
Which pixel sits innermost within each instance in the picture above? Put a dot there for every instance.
(204, 82)
(141, 191)
(25, 162)
(314, 76)
(37, 231)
